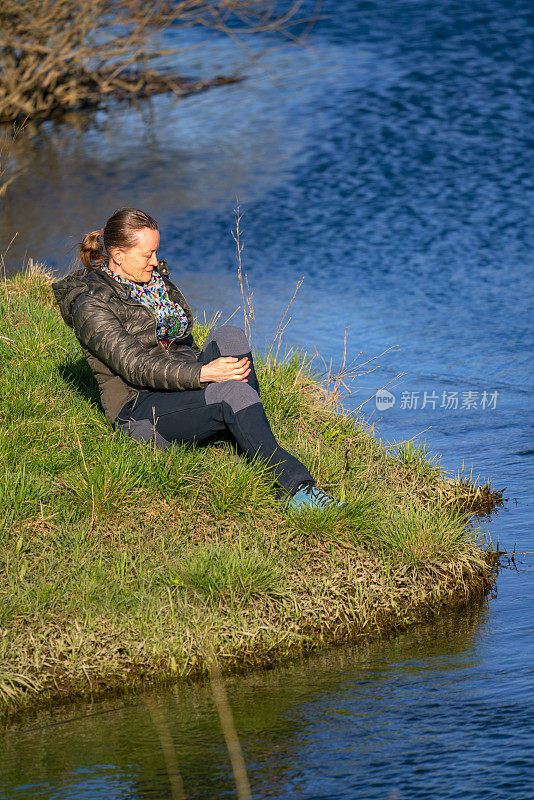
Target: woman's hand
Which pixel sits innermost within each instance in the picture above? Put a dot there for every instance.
(226, 368)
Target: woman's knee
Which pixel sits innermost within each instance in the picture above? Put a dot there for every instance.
(230, 340)
(144, 431)
(237, 394)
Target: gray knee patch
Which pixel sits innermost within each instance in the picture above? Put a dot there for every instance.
(230, 340)
(143, 431)
(237, 394)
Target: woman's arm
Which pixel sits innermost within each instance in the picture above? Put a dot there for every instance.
(99, 330)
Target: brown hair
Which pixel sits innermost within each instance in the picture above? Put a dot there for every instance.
(119, 231)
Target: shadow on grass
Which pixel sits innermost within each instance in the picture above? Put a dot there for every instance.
(77, 373)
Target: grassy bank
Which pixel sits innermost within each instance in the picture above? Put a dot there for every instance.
(122, 565)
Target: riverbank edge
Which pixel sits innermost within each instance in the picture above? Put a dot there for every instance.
(114, 687)
(342, 587)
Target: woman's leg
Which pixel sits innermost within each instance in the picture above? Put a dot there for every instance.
(197, 416)
(248, 420)
(245, 418)
(167, 417)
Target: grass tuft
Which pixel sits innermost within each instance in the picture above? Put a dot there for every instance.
(217, 572)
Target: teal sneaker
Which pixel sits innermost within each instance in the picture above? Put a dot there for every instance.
(308, 495)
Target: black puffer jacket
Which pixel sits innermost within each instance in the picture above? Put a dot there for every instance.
(118, 337)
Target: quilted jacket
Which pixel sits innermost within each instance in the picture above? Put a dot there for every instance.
(118, 338)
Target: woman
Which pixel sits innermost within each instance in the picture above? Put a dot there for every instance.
(155, 384)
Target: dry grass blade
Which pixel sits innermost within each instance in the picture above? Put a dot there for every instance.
(13, 684)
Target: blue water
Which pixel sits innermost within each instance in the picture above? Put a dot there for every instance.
(391, 164)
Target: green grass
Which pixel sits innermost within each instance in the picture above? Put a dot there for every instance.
(122, 564)
(226, 572)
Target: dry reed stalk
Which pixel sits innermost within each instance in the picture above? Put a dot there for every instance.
(347, 373)
(227, 318)
(281, 329)
(248, 308)
(4, 281)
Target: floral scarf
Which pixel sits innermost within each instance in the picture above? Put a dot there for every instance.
(171, 320)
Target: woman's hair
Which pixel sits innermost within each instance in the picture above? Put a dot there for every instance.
(119, 231)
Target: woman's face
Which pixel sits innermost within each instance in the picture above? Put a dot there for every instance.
(137, 262)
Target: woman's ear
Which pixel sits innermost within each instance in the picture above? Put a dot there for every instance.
(116, 255)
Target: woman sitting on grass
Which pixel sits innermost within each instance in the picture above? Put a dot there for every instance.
(155, 384)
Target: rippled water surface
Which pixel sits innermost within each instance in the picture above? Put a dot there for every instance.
(390, 164)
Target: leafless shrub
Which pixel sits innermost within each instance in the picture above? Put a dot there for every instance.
(63, 55)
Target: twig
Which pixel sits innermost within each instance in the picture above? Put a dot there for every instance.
(280, 330)
(60, 55)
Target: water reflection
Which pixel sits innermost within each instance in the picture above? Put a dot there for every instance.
(351, 700)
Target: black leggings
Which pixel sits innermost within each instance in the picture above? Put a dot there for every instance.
(199, 416)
